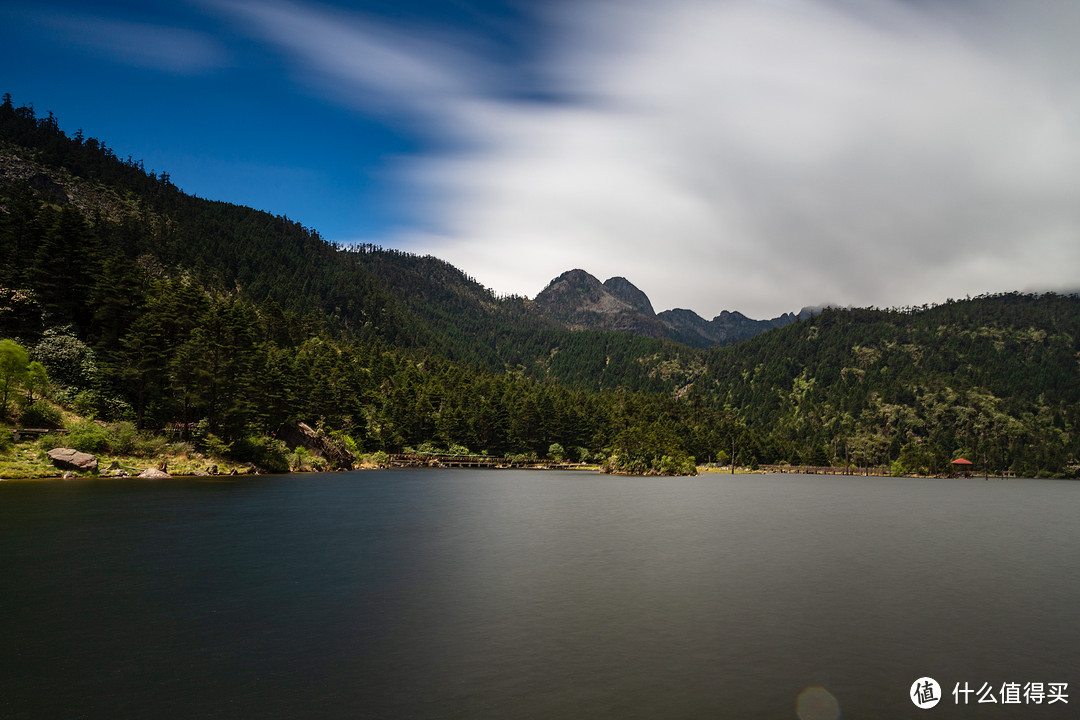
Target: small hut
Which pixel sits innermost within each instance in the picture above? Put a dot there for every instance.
(961, 466)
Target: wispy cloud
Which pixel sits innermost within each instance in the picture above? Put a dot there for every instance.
(357, 61)
(738, 154)
(159, 47)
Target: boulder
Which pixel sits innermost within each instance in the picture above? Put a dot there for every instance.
(115, 470)
(72, 459)
(154, 474)
(317, 443)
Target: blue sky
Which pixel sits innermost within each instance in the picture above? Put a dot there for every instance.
(753, 155)
(188, 87)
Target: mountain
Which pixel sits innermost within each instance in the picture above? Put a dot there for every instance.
(581, 301)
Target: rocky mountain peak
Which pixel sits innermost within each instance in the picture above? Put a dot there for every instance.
(571, 285)
(577, 291)
(579, 300)
(624, 290)
(583, 302)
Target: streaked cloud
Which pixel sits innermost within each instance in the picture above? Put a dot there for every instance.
(738, 154)
(158, 47)
(359, 62)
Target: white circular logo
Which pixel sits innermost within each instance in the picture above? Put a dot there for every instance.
(925, 693)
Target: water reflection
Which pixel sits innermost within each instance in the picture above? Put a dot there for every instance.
(433, 594)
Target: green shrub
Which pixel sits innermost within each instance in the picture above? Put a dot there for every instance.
(262, 452)
(299, 459)
(122, 438)
(148, 445)
(6, 441)
(119, 438)
(215, 446)
(348, 441)
(41, 415)
(51, 442)
(303, 460)
(96, 404)
(84, 403)
(69, 361)
(88, 437)
(678, 464)
(182, 448)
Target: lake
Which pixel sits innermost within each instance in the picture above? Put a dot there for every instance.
(535, 594)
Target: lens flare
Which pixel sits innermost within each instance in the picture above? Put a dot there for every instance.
(817, 703)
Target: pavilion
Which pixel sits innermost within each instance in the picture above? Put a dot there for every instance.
(961, 467)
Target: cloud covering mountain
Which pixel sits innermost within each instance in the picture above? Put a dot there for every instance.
(737, 153)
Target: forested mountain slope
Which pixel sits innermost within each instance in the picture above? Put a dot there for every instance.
(148, 304)
(117, 217)
(996, 377)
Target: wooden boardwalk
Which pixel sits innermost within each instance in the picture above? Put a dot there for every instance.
(474, 461)
(19, 433)
(827, 470)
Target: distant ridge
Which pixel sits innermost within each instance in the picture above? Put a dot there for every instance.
(582, 302)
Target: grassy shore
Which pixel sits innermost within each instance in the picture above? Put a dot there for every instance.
(123, 451)
(27, 460)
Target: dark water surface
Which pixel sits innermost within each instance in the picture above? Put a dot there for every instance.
(518, 594)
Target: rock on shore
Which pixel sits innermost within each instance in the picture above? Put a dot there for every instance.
(72, 459)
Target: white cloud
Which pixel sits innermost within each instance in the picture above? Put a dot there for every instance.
(744, 154)
(176, 50)
(359, 62)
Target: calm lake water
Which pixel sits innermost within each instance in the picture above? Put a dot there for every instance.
(518, 594)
